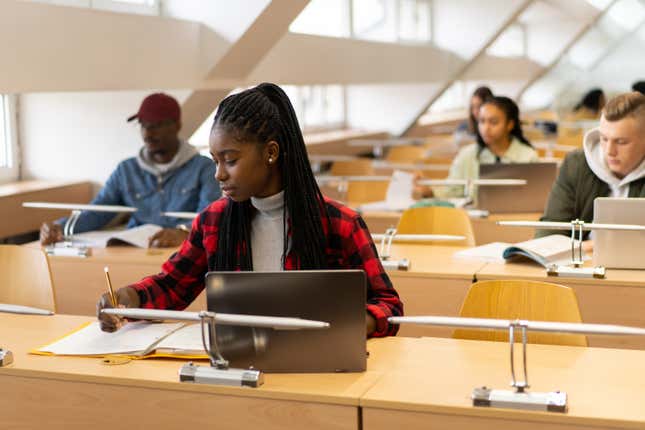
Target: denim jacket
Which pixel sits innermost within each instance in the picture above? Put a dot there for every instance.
(189, 188)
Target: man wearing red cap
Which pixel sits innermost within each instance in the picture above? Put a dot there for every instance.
(167, 175)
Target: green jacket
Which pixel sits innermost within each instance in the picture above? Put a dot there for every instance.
(574, 191)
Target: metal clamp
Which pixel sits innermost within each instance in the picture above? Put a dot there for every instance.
(386, 243)
(576, 226)
(520, 386)
(68, 228)
(219, 372)
(520, 398)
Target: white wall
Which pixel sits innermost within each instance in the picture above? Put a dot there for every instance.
(229, 19)
(386, 107)
(78, 136)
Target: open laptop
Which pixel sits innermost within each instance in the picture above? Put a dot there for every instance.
(531, 197)
(619, 249)
(334, 296)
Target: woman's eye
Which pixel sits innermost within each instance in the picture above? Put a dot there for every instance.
(230, 162)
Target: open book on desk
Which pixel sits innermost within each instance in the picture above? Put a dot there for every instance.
(136, 236)
(553, 249)
(139, 339)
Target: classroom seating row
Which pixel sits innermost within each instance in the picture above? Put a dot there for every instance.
(409, 383)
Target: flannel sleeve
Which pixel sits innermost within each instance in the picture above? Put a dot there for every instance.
(181, 278)
(382, 299)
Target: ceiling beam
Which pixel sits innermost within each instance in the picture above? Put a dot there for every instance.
(572, 42)
(466, 67)
(240, 60)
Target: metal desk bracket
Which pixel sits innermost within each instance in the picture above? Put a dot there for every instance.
(219, 372)
(520, 398)
(384, 253)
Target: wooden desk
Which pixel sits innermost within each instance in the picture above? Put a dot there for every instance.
(18, 220)
(436, 284)
(618, 299)
(486, 229)
(431, 380)
(79, 282)
(335, 142)
(81, 393)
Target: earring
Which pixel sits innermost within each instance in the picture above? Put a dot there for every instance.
(270, 160)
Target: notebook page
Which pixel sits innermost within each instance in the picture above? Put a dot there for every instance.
(137, 236)
(399, 191)
(188, 338)
(132, 338)
(553, 248)
(491, 252)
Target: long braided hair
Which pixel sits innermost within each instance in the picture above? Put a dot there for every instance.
(259, 115)
(512, 113)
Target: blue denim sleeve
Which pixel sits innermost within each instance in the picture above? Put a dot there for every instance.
(110, 194)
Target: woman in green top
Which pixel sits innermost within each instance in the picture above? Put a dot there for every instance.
(500, 140)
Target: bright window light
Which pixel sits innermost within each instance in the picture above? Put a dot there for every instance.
(509, 44)
(414, 20)
(324, 18)
(628, 14)
(5, 130)
(599, 4)
(375, 20)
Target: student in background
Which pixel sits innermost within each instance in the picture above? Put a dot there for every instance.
(590, 106)
(168, 175)
(611, 163)
(273, 216)
(639, 86)
(500, 140)
(467, 130)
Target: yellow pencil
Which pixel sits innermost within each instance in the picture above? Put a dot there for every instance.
(110, 289)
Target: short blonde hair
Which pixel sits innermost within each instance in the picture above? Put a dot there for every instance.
(625, 105)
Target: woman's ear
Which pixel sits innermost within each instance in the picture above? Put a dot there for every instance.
(272, 152)
(510, 125)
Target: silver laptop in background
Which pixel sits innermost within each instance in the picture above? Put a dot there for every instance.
(619, 249)
(334, 296)
(531, 197)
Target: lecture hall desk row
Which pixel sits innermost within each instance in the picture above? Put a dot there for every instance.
(486, 229)
(436, 284)
(410, 383)
(18, 220)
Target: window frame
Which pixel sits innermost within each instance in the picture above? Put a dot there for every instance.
(10, 173)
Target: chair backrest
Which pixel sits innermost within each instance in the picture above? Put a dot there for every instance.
(359, 192)
(25, 277)
(358, 167)
(406, 154)
(529, 300)
(438, 220)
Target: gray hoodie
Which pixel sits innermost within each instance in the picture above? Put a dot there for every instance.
(596, 161)
(184, 154)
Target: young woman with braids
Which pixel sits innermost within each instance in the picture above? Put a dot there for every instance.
(500, 140)
(273, 216)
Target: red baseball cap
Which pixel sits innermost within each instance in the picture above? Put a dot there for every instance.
(157, 107)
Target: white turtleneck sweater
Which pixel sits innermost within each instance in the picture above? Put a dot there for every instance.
(267, 233)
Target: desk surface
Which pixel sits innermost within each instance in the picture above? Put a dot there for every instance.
(486, 230)
(431, 379)
(434, 262)
(533, 271)
(18, 220)
(406, 379)
(20, 333)
(79, 282)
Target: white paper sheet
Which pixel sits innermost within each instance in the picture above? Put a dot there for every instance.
(132, 338)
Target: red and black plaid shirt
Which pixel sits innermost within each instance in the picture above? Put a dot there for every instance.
(349, 246)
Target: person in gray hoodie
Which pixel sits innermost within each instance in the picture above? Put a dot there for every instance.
(610, 164)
